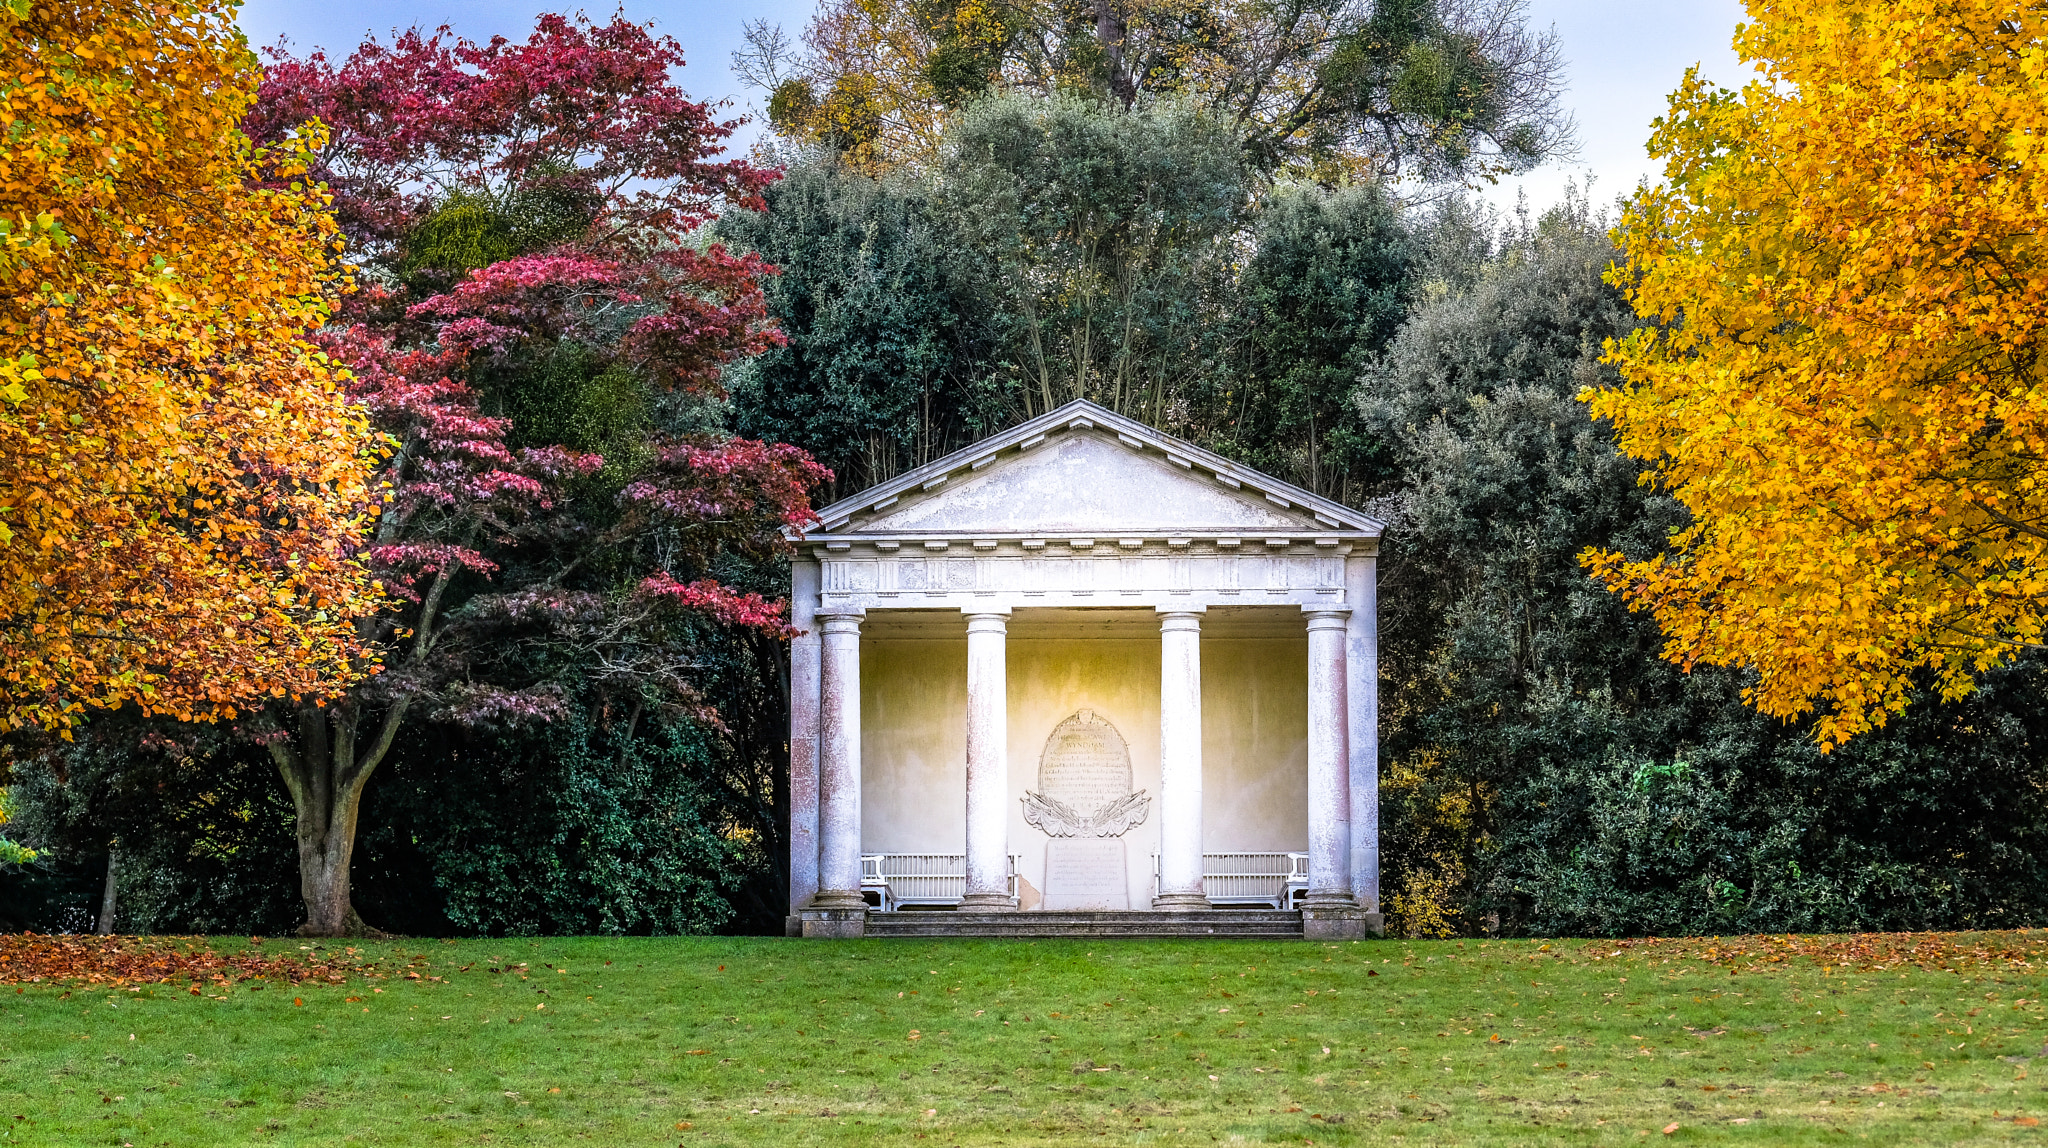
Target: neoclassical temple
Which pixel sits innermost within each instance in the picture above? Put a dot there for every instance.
(1083, 675)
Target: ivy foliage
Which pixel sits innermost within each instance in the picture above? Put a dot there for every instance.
(589, 825)
(592, 824)
(1938, 822)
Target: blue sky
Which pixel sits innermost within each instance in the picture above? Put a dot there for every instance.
(1624, 57)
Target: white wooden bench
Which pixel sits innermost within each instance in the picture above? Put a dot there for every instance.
(892, 881)
(1276, 879)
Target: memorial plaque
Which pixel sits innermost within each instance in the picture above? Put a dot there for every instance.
(1086, 873)
(1084, 782)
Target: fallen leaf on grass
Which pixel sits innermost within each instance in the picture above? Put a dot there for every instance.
(1670, 1128)
(33, 958)
(1935, 951)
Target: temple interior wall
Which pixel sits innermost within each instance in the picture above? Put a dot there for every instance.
(1254, 740)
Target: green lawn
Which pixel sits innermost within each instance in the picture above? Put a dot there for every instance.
(765, 1041)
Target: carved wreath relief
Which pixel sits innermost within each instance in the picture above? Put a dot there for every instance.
(1084, 782)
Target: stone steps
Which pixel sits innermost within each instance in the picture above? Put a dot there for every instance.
(1219, 924)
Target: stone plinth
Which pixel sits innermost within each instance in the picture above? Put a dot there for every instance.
(1340, 924)
(834, 924)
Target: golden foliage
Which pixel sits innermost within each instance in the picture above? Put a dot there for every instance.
(1429, 902)
(1432, 882)
(179, 471)
(877, 104)
(1849, 267)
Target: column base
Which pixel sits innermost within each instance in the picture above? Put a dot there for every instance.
(1337, 922)
(1180, 902)
(987, 903)
(834, 924)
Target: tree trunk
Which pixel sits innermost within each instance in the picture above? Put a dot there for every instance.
(1109, 33)
(326, 771)
(105, 927)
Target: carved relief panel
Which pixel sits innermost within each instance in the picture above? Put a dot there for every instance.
(1084, 782)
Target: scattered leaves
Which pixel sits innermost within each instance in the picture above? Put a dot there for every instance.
(34, 958)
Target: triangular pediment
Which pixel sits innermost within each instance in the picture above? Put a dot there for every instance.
(1084, 471)
(1085, 483)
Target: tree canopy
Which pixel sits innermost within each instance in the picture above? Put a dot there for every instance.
(1067, 248)
(1436, 90)
(1848, 269)
(180, 467)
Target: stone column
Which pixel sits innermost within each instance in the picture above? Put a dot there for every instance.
(803, 738)
(988, 774)
(1362, 640)
(1329, 775)
(838, 910)
(1180, 761)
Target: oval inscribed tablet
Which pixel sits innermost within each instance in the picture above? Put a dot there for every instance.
(1086, 766)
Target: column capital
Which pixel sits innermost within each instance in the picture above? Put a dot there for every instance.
(1191, 610)
(1327, 617)
(973, 612)
(840, 623)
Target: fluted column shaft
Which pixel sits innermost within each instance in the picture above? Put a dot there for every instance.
(1180, 761)
(988, 774)
(839, 764)
(1329, 772)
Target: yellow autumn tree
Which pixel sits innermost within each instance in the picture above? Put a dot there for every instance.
(180, 474)
(1848, 272)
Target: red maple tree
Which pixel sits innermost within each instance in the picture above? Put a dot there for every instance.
(442, 155)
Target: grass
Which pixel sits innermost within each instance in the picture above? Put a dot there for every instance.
(708, 1041)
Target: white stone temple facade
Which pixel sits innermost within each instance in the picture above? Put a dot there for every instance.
(1083, 666)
